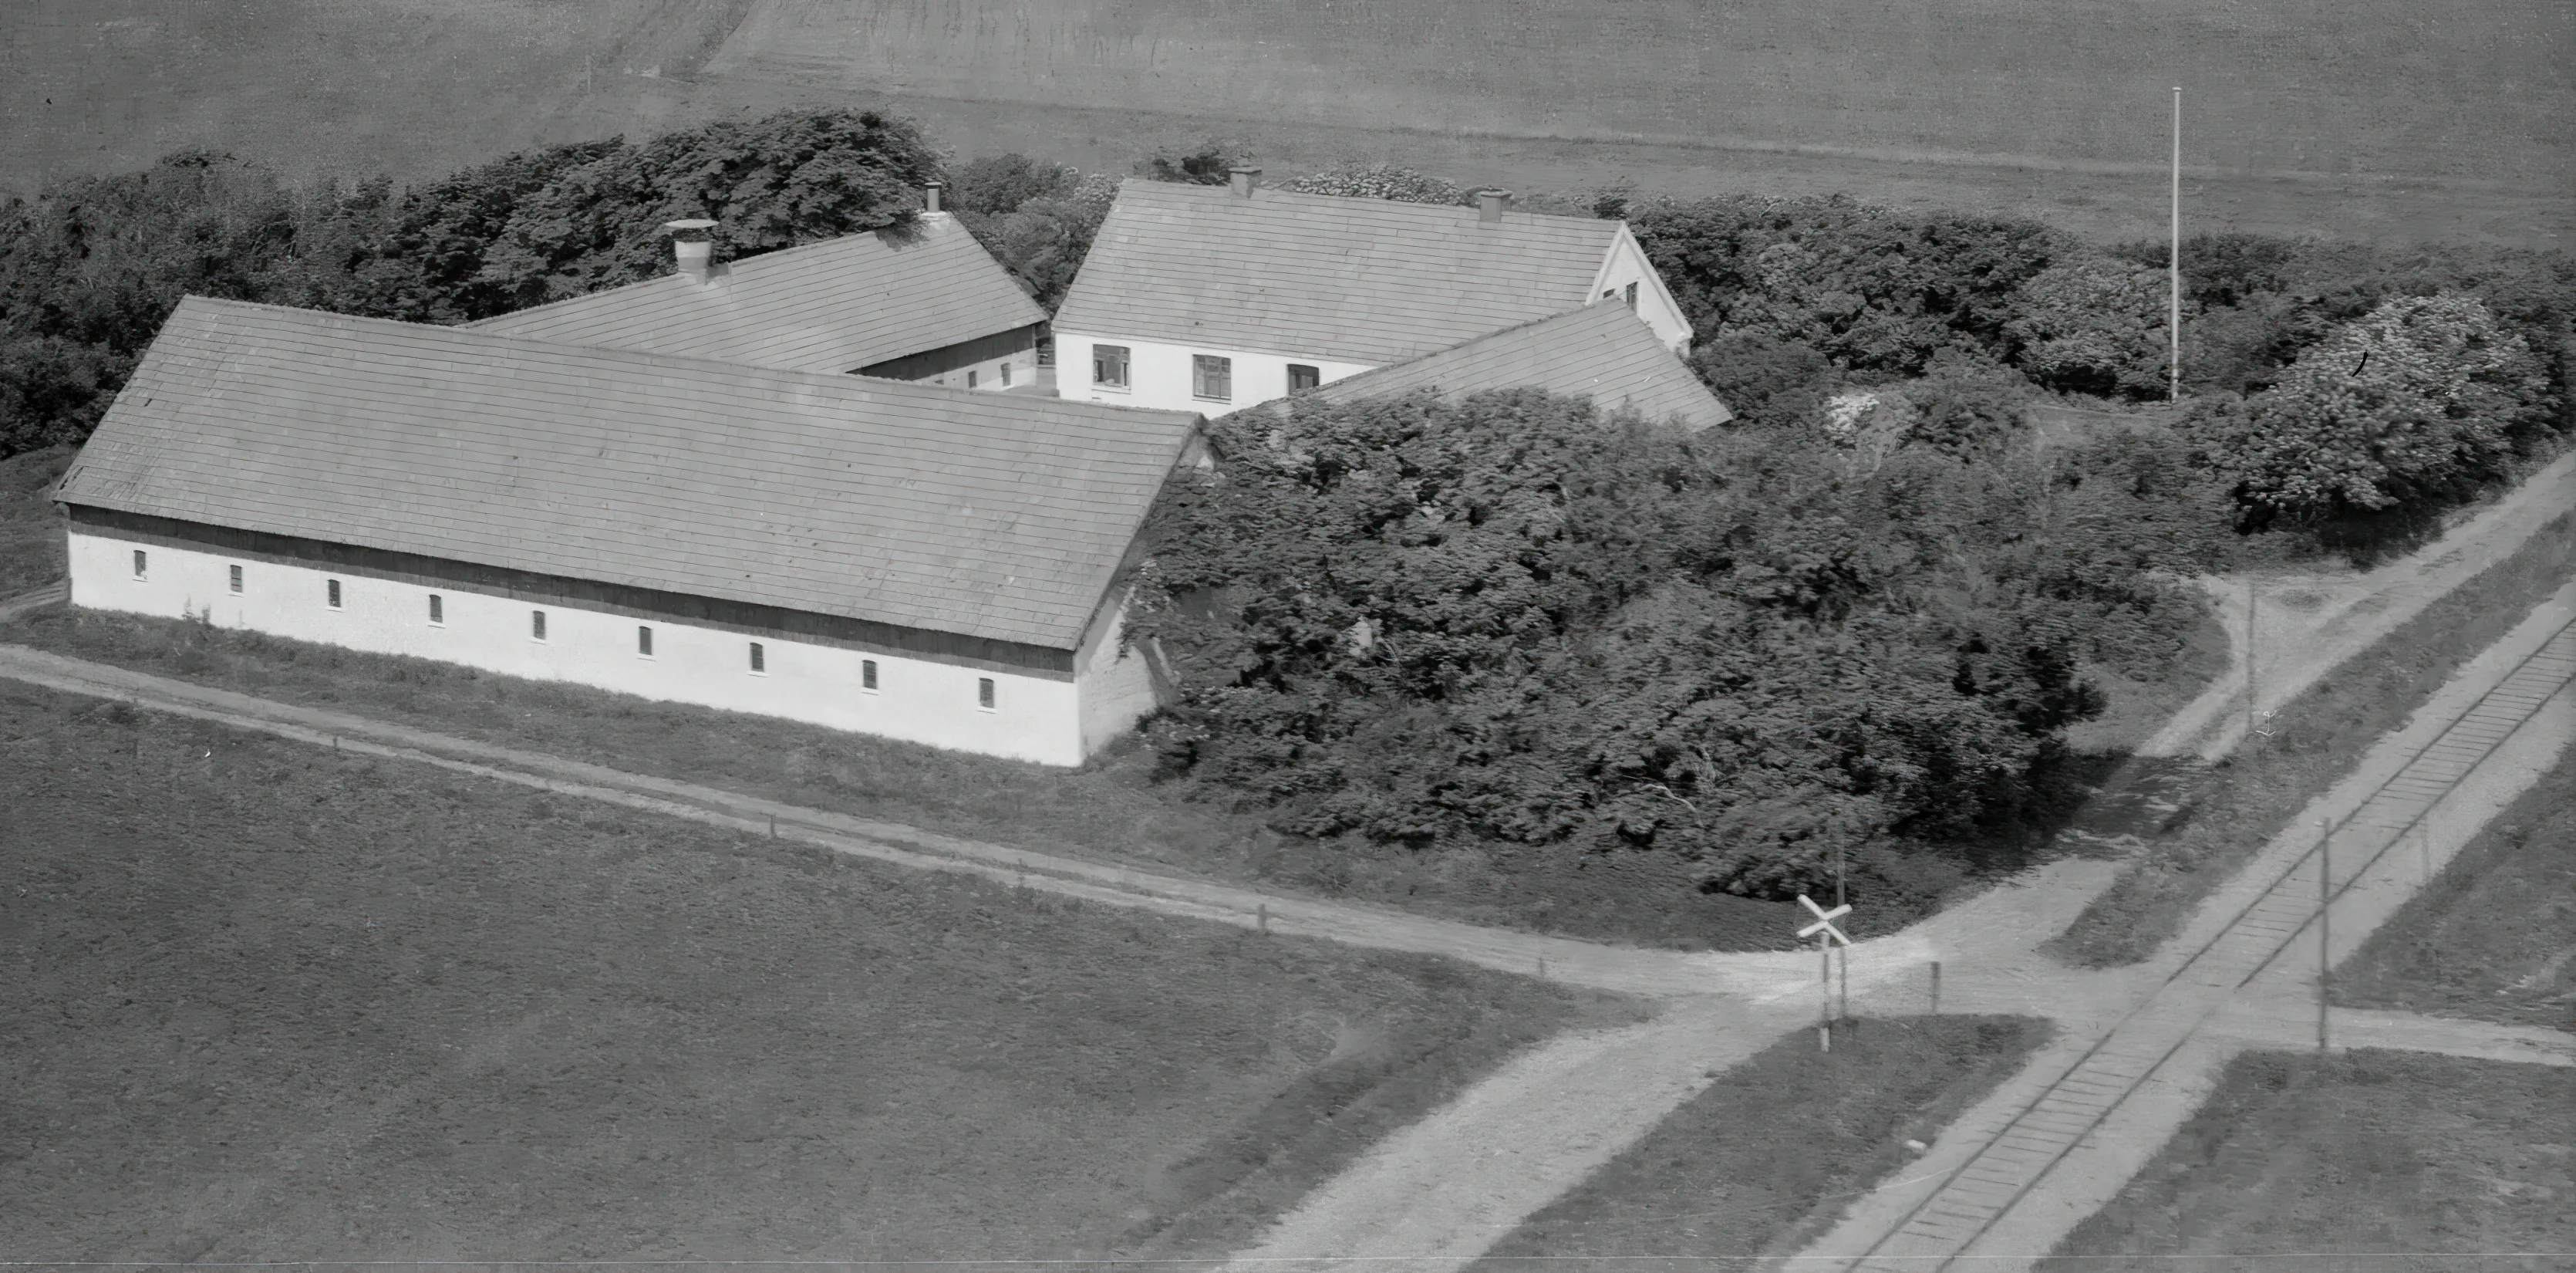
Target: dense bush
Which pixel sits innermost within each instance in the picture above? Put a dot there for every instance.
(1043, 236)
(2417, 400)
(1512, 619)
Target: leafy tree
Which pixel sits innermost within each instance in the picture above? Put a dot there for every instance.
(1380, 181)
(2415, 400)
(1209, 165)
(793, 177)
(1767, 382)
(999, 184)
(2093, 324)
(1043, 240)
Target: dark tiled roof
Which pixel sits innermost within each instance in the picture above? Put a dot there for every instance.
(981, 514)
(1362, 280)
(1601, 352)
(838, 305)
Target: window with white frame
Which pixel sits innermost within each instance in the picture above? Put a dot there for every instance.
(437, 611)
(868, 675)
(759, 659)
(331, 593)
(1006, 373)
(1631, 292)
(139, 564)
(1109, 366)
(536, 625)
(984, 693)
(236, 579)
(1301, 376)
(643, 641)
(1212, 377)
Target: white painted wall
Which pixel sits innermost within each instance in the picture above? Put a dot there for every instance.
(1627, 264)
(917, 700)
(989, 374)
(1161, 375)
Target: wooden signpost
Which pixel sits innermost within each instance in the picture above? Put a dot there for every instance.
(1826, 935)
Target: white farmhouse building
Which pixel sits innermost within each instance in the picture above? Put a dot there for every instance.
(1212, 298)
(921, 302)
(918, 562)
(1600, 352)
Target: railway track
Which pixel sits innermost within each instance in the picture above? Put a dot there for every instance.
(1979, 1192)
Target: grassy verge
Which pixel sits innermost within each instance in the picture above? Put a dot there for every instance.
(2493, 938)
(1764, 1158)
(2341, 1158)
(2314, 741)
(269, 1002)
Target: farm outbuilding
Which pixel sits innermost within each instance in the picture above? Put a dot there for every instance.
(924, 563)
(923, 302)
(1211, 298)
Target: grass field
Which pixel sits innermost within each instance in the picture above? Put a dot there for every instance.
(2308, 1166)
(2494, 937)
(266, 1002)
(1758, 1162)
(2370, 121)
(2314, 741)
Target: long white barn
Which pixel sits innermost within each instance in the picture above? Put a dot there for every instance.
(917, 562)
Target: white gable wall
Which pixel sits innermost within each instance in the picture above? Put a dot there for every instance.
(1162, 375)
(1035, 718)
(1627, 264)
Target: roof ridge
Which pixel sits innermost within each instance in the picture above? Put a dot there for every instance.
(664, 361)
(729, 265)
(1194, 189)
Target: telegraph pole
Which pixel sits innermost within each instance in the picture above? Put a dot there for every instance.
(2325, 899)
(2173, 257)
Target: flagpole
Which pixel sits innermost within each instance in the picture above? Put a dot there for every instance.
(2173, 258)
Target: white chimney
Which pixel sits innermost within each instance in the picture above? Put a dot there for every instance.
(1243, 179)
(692, 246)
(1489, 204)
(930, 197)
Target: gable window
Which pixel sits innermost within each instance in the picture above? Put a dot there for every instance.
(1301, 376)
(331, 593)
(1610, 294)
(1006, 375)
(759, 659)
(984, 692)
(437, 611)
(536, 625)
(138, 563)
(1631, 292)
(868, 675)
(1109, 366)
(643, 641)
(1212, 377)
(236, 578)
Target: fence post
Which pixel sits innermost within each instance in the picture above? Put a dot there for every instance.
(1265, 917)
(1936, 987)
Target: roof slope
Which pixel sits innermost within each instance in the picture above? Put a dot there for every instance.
(1602, 352)
(981, 514)
(838, 305)
(1361, 280)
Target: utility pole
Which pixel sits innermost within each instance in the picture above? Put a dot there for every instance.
(1844, 960)
(2173, 257)
(2249, 660)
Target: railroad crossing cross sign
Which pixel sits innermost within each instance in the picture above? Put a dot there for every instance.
(1824, 920)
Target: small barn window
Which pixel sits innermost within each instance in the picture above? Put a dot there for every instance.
(1301, 376)
(1610, 294)
(536, 625)
(331, 593)
(984, 692)
(970, 377)
(138, 563)
(1631, 294)
(1109, 366)
(1006, 375)
(759, 659)
(1212, 377)
(643, 640)
(236, 578)
(437, 611)
(868, 675)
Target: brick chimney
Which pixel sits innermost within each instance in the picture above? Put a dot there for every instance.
(692, 246)
(1243, 180)
(930, 196)
(1490, 202)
